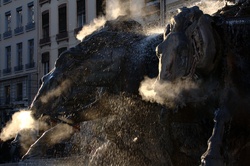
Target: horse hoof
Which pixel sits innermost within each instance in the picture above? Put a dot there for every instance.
(210, 161)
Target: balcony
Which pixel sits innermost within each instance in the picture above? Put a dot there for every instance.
(45, 41)
(7, 34)
(62, 36)
(6, 1)
(30, 26)
(18, 68)
(18, 30)
(41, 2)
(6, 71)
(30, 65)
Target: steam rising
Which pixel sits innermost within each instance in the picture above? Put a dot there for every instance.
(60, 133)
(20, 120)
(56, 92)
(211, 6)
(88, 29)
(171, 94)
(114, 8)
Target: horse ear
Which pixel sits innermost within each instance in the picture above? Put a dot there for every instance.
(167, 31)
(204, 40)
(158, 50)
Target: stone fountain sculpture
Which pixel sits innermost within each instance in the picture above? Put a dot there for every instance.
(213, 52)
(100, 78)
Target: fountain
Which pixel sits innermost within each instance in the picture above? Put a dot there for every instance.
(106, 103)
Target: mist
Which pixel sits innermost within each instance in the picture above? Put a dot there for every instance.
(171, 94)
(20, 120)
(114, 9)
(210, 6)
(56, 92)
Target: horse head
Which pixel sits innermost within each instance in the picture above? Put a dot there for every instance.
(107, 59)
(190, 46)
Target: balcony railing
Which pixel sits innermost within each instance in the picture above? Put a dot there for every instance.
(18, 30)
(6, 71)
(18, 68)
(62, 36)
(30, 65)
(43, 1)
(45, 41)
(6, 1)
(30, 26)
(7, 34)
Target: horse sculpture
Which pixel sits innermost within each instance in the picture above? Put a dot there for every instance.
(208, 51)
(113, 59)
(212, 52)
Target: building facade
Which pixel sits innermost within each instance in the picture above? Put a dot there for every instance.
(59, 23)
(18, 56)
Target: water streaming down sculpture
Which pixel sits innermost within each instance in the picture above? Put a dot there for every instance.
(99, 79)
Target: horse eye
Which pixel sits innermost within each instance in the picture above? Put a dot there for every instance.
(183, 60)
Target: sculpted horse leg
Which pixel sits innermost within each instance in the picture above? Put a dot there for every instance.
(212, 156)
(58, 133)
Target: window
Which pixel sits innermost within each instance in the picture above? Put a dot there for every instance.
(19, 92)
(19, 17)
(45, 62)
(31, 16)
(8, 57)
(61, 50)
(19, 54)
(62, 18)
(19, 21)
(31, 62)
(31, 50)
(45, 24)
(7, 94)
(100, 7)
(8, 21)
(81, 20)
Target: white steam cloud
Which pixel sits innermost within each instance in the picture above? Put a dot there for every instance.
(114, 8)
(88, 29)
(20, 120)
(210, 6)
(56, 92)
(171, 94)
